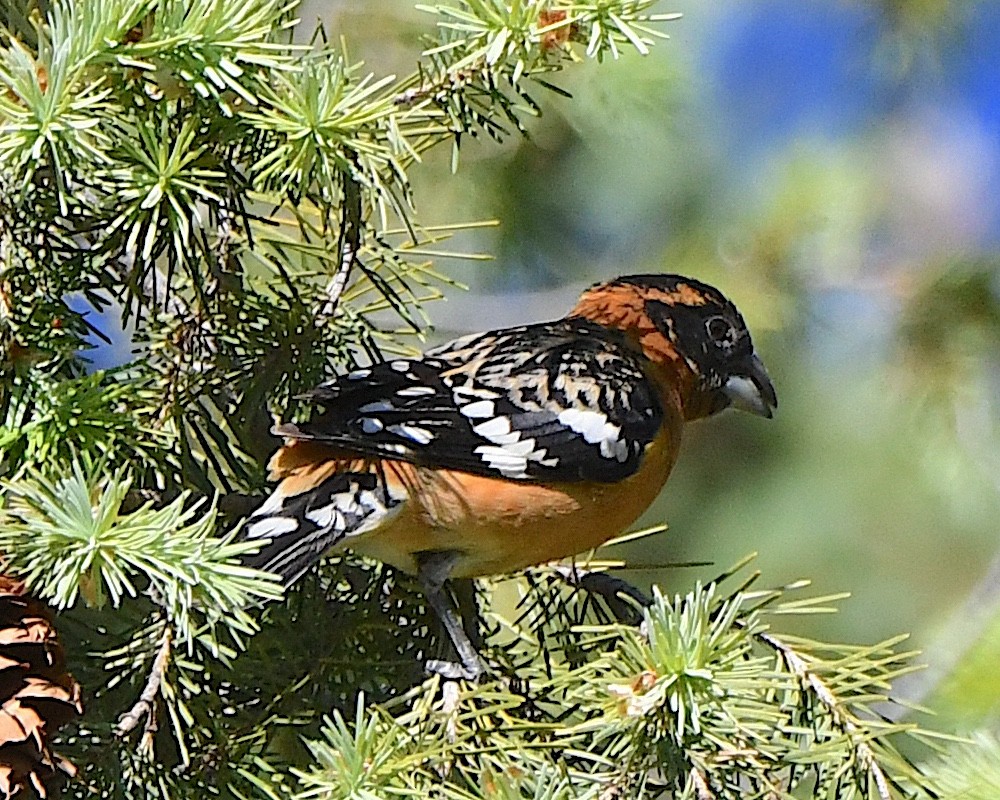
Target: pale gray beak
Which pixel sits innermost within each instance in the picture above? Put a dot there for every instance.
(752, 391)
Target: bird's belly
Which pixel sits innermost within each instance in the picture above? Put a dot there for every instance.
(497, 525)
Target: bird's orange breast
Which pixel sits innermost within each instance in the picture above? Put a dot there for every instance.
(499, 525)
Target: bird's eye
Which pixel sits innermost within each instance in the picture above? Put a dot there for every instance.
(719, 331)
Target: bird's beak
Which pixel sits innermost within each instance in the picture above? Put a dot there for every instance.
(752, 391)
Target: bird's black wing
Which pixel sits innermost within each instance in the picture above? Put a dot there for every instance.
(562, 401)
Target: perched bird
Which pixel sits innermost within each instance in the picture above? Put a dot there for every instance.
(505, 449)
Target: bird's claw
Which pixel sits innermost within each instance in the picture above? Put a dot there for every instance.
(453, 671)
(623, 599)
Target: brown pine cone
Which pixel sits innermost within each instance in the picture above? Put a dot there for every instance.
(37, 696)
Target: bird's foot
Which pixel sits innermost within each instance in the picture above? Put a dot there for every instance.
(622, 598)
(454, 671)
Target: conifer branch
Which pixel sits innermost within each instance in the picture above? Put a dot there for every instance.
(812, 682)
(701, 788)
(349, 246)
(145, 706)
(247, 202)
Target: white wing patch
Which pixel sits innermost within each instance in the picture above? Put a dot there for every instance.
(509, 454)
(412, 432)
(497, 430)
(415, 391)
(506, 463)
(326, 517)
(595, 428)
(377, 405)
(481, 409)
(270, 526)
(463, 392)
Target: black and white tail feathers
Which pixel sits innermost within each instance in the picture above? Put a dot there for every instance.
(297, 529)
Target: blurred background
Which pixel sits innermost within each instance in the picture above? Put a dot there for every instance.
(834, 167)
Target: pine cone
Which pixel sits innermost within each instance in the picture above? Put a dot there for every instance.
(37, 696)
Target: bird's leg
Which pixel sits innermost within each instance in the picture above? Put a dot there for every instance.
(433, 571)
(464, 592)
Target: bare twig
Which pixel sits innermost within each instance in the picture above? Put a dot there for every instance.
(435, 90)
(701, 788)
(812, 681)
(223, 248)
(348, 245)
(144, 706)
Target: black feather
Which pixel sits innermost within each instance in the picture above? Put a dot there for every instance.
(540, 384)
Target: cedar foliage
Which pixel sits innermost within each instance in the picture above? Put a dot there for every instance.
(244, 202)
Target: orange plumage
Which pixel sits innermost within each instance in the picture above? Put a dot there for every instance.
(512, 447)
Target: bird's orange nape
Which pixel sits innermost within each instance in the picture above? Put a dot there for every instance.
(511, 447)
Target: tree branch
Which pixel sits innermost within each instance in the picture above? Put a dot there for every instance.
(144, 706)
(348, 245)
(828, 699)
(701, 785)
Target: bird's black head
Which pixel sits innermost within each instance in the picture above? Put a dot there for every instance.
(702, 327)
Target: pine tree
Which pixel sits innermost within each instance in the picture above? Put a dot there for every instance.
(244, 201)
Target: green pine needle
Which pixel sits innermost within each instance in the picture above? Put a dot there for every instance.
(69, 539)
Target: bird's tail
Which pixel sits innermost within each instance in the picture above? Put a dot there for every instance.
(303, 519)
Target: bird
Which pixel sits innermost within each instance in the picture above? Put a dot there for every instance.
(509, 448)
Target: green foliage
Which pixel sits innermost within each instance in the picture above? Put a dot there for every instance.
(969, 770)
(701, 700)
(329, 126)
(67, 536)
(356, 760)
(49, 422)
(245, 204)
